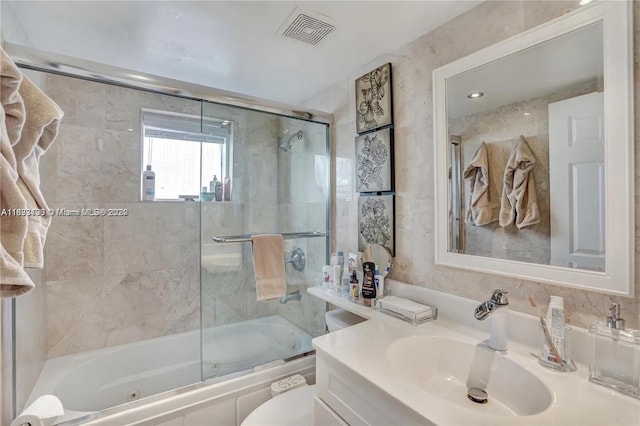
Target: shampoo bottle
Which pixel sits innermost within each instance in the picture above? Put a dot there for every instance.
(148, 184)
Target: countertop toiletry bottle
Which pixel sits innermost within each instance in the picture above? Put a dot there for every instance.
(368, 283)
(379, 281)
(148, 184)
(555, 322)
(336, 279)
(341, 264)
(354, 287)
(615, 354)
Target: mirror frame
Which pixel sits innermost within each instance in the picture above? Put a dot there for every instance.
(618, 278)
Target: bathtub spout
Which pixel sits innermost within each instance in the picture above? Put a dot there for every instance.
(295, 295)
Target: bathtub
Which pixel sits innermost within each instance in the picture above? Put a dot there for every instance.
(97, 380)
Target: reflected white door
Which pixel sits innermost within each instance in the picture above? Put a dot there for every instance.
(576, 174)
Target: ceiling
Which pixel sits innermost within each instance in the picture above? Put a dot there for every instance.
(560, 63)
(229, 45)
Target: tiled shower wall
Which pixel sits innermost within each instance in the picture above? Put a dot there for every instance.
(115, 280)
(482, 26)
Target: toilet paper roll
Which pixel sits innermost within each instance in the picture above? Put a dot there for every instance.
(41, 412)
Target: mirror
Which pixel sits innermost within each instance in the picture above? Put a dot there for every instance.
(534, 148)
(379, 255)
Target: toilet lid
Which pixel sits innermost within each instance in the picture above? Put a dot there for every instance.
(293, 408)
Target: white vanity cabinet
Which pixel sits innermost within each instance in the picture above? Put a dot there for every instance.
(344, 397)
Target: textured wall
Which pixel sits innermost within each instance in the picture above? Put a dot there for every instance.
(113, 280)
(413, 64)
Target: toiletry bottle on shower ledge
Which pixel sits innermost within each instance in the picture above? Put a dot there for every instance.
(226, 189)
(218, 190)
(148, 184)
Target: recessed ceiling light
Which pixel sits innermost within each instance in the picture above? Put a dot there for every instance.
(131, 130)
(475, 95)
(583, 2)
(527, 113)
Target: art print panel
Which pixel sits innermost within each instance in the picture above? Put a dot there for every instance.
(376, 224)
(374, 100)
(374, 161)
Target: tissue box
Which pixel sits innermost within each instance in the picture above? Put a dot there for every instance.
(406, 309)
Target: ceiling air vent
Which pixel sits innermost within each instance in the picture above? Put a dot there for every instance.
(304, 27)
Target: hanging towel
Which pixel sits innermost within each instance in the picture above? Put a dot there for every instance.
(40, 130)
(268, 266)
(482, 208)
(13, 228)
(519, 202)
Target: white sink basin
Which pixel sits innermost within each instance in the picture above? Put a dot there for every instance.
(446, 368)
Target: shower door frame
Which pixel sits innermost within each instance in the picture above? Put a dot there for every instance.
(47, 62)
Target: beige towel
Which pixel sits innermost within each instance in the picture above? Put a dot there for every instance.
(519, 200)
(482, 208)
(40, 130)
(268, 266)
(13, 279)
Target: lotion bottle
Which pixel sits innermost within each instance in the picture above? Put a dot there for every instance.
(368, 283)
(148, 184)
(379, 281)
(354, 287)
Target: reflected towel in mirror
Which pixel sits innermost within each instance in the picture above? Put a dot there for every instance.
(519, 203)
(481, 209)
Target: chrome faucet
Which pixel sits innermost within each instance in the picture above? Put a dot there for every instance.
(496, 307)
(295, 295)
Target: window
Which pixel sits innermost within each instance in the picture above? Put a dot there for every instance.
(185, 152)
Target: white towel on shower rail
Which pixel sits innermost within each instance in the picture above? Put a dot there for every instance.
(483, 206)
(40, 130)
(268, 266)
(14, 281)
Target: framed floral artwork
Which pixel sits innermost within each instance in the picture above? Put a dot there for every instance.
(376, 224)
(374, 161)
(373, 99)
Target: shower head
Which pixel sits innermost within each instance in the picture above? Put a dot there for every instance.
(286, 145)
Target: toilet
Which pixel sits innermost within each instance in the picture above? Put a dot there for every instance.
(295, 407)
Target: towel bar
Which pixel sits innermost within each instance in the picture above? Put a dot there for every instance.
(286, 236)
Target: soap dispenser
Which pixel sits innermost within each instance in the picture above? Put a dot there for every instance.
(615, 354)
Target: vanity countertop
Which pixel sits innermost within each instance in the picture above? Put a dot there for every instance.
(363, 349)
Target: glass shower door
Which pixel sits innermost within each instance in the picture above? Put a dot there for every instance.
(277, 173)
